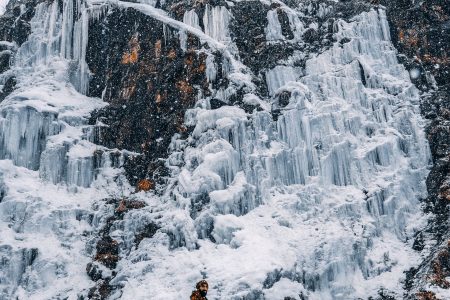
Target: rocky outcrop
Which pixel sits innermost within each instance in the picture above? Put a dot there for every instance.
(107, 250)
(139, 68)
(421, 33)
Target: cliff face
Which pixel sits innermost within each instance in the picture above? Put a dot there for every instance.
(421, 32)
(280, 150)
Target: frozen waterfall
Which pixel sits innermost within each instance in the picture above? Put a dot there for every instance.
(319, 201)
(318, 198)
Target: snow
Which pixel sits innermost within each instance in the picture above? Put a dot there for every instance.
(47, 218)
(161, 15)
(414, 73)
(3, 4)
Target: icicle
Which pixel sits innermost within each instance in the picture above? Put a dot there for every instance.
(81, 80)
(67, 29)
(216, 21)
(191, 18)
(273, 29)
(53, 164)
(23, 135)
(211, 71)
(278, 77)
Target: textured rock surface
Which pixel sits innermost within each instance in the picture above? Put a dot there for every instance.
(421, 33)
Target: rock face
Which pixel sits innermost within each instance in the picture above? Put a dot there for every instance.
(149, 86)
(424, 49)
(280, 150)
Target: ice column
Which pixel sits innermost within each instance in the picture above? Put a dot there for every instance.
(216, 20)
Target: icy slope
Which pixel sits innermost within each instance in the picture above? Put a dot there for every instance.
(298, 175)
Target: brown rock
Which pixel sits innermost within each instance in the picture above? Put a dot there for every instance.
(425, 295)
(145, 185)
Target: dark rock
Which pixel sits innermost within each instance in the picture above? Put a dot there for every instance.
(285, 25)
(101, 290)
(310, 35)
(284, 98)
(107, 252)
(15, 23)
(94, 272)
(8, 88)
(216, 103)
(148, 232)
(149, 86)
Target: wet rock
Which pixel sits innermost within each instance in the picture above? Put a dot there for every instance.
(107, 252)
(149, 86)
(94, 272)
(148, 232)
(8, 87)
(101, 290)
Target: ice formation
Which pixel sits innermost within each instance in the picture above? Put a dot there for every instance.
(3, 4)
(320, 202)
(273, 30)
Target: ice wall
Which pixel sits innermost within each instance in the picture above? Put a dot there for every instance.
(47, 159)
(45, 104)
(314, 194)
(315, 201)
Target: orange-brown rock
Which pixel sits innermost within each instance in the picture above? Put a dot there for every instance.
(158, 49)
(122, 207)
(172, 54)
(132, 56)
(184, 87)
(145, 185)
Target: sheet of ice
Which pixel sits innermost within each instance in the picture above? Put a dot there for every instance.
(43, 227)
(3, 4)
(43, 233)
(273, 29)
(215, 20)
(278, 77)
